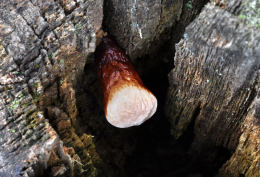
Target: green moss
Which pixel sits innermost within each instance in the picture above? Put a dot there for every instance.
(32, 120)
(16, 102)
(53, 54)
(12, 130)
(250, 13)
(37, 66)
(35, 84)
(15, 72)
(86, 160)
(61, 61)
(78, 28)
(189, 5)
(61, 81)
(21, 95)
(35, 99)
(241, 16)
(24, 105)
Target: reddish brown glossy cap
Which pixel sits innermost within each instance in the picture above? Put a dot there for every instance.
(127, 101)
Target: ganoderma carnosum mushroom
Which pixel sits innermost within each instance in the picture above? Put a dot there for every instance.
(127, 102)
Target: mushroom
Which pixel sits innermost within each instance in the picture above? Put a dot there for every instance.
(127, 102)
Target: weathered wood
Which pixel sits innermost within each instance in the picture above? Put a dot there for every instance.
(214, 86)
(43, 45)
(138, 26)
(27, 139)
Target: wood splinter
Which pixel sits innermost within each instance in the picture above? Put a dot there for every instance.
(127, 102)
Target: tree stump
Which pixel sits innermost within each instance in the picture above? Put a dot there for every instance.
(214, 85)
(140, 26)
(44, 46)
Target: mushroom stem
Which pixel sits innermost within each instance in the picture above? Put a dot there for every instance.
(127, 102)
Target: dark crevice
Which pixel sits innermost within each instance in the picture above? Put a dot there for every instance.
(209, 160)
(155, 150)
(188, 136)
(148, 150)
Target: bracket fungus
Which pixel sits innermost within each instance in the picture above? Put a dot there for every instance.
(127, 102)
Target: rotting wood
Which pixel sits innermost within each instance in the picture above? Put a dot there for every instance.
(43, 45)
(140, 26)
(217, 66)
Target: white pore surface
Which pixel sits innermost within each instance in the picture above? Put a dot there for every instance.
(130, 106)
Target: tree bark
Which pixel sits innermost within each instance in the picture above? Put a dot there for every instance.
(140, 26)
(214, 86)
(43, 46)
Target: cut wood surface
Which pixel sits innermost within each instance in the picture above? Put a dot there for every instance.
(214, 86)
